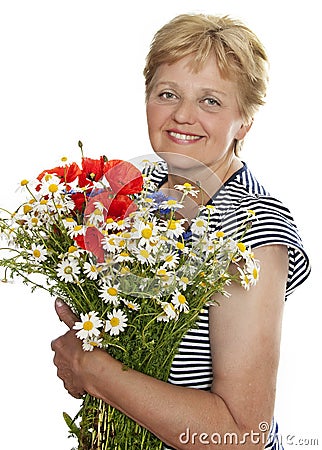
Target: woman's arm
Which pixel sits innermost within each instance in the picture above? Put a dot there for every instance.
(245, 336)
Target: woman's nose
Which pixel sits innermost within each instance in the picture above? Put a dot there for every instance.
(185, 112)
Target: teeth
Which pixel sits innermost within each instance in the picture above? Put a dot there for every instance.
(184, 137)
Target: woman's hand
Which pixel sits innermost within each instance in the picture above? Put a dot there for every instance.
(69, 354)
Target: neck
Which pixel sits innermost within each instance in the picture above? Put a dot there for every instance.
(208, 180)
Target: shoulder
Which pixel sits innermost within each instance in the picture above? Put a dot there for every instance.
(263, 220)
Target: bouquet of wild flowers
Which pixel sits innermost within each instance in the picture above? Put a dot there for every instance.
(102, 239)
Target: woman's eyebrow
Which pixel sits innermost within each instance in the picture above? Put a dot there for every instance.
(205, 90)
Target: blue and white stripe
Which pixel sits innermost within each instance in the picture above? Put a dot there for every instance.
(272, 224)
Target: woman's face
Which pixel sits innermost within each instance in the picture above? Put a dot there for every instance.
(193, 114)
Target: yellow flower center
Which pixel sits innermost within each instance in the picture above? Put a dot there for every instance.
(185, 280)
(180, 245)
(88, 325)
(200, 223)
(36, 253)
(34, 220)
(24, 182)
(187, 185)
(144, 253)
(27, 209)
(169, 258)
(161, 272)
(77, 228)
(181, 299)
(255, 273)
(220, 234)
(241, 246)
(131, 306)
(112, 291)
(172, 225)
(146, 233)
(53, 188)
(68, 270)
(115, 321)
(171, 202)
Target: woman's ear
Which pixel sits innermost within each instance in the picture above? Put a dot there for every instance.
(243, 130)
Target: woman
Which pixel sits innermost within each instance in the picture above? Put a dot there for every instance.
(205, 79)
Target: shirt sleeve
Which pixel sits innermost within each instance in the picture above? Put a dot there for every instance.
(271, 224)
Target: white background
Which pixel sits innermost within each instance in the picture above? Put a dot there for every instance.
(72, 70)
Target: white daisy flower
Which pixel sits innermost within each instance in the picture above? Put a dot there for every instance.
(171, 204)
(109, 294)
(180, 301)
(169, 312)
(133, 306)
(76, 230)
(183, 282)
(245, 279)
(110, 224)
(145, 257)
(187, 188)
(51, 185)
(91, 270)
(110, 243)
(68, 270)
(38, 252)
(252, 269)
(124, 256)
(88, 326)
(96, 218)
(69, 223)
(170, 260)
(174, 228)
(90, 343)
(199, 226)
(116, 322)
(33, 221)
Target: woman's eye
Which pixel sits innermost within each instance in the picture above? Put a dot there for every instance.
(211, 102)
(167, 95)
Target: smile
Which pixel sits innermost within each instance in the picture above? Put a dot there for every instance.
(184, 137)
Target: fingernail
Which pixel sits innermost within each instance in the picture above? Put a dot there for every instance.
(59, 302)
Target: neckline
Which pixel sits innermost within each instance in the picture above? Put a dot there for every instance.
(224, 185)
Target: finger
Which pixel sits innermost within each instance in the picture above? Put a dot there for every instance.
(65, 314)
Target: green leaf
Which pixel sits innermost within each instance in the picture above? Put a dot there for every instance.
(71, 425)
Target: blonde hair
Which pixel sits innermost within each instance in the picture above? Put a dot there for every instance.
(240, 55)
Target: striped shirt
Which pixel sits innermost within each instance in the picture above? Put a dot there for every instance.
(272, 224)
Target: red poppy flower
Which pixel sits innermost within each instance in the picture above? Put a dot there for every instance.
(80, 241)
(67, 173)
(79, 200)
(93, 243)
(121, 206)
(115, 207)
(123, 177)
(92, 170)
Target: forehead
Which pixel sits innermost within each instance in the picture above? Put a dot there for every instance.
(185, 72)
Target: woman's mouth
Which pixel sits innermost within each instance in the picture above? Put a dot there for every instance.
(177, 136)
